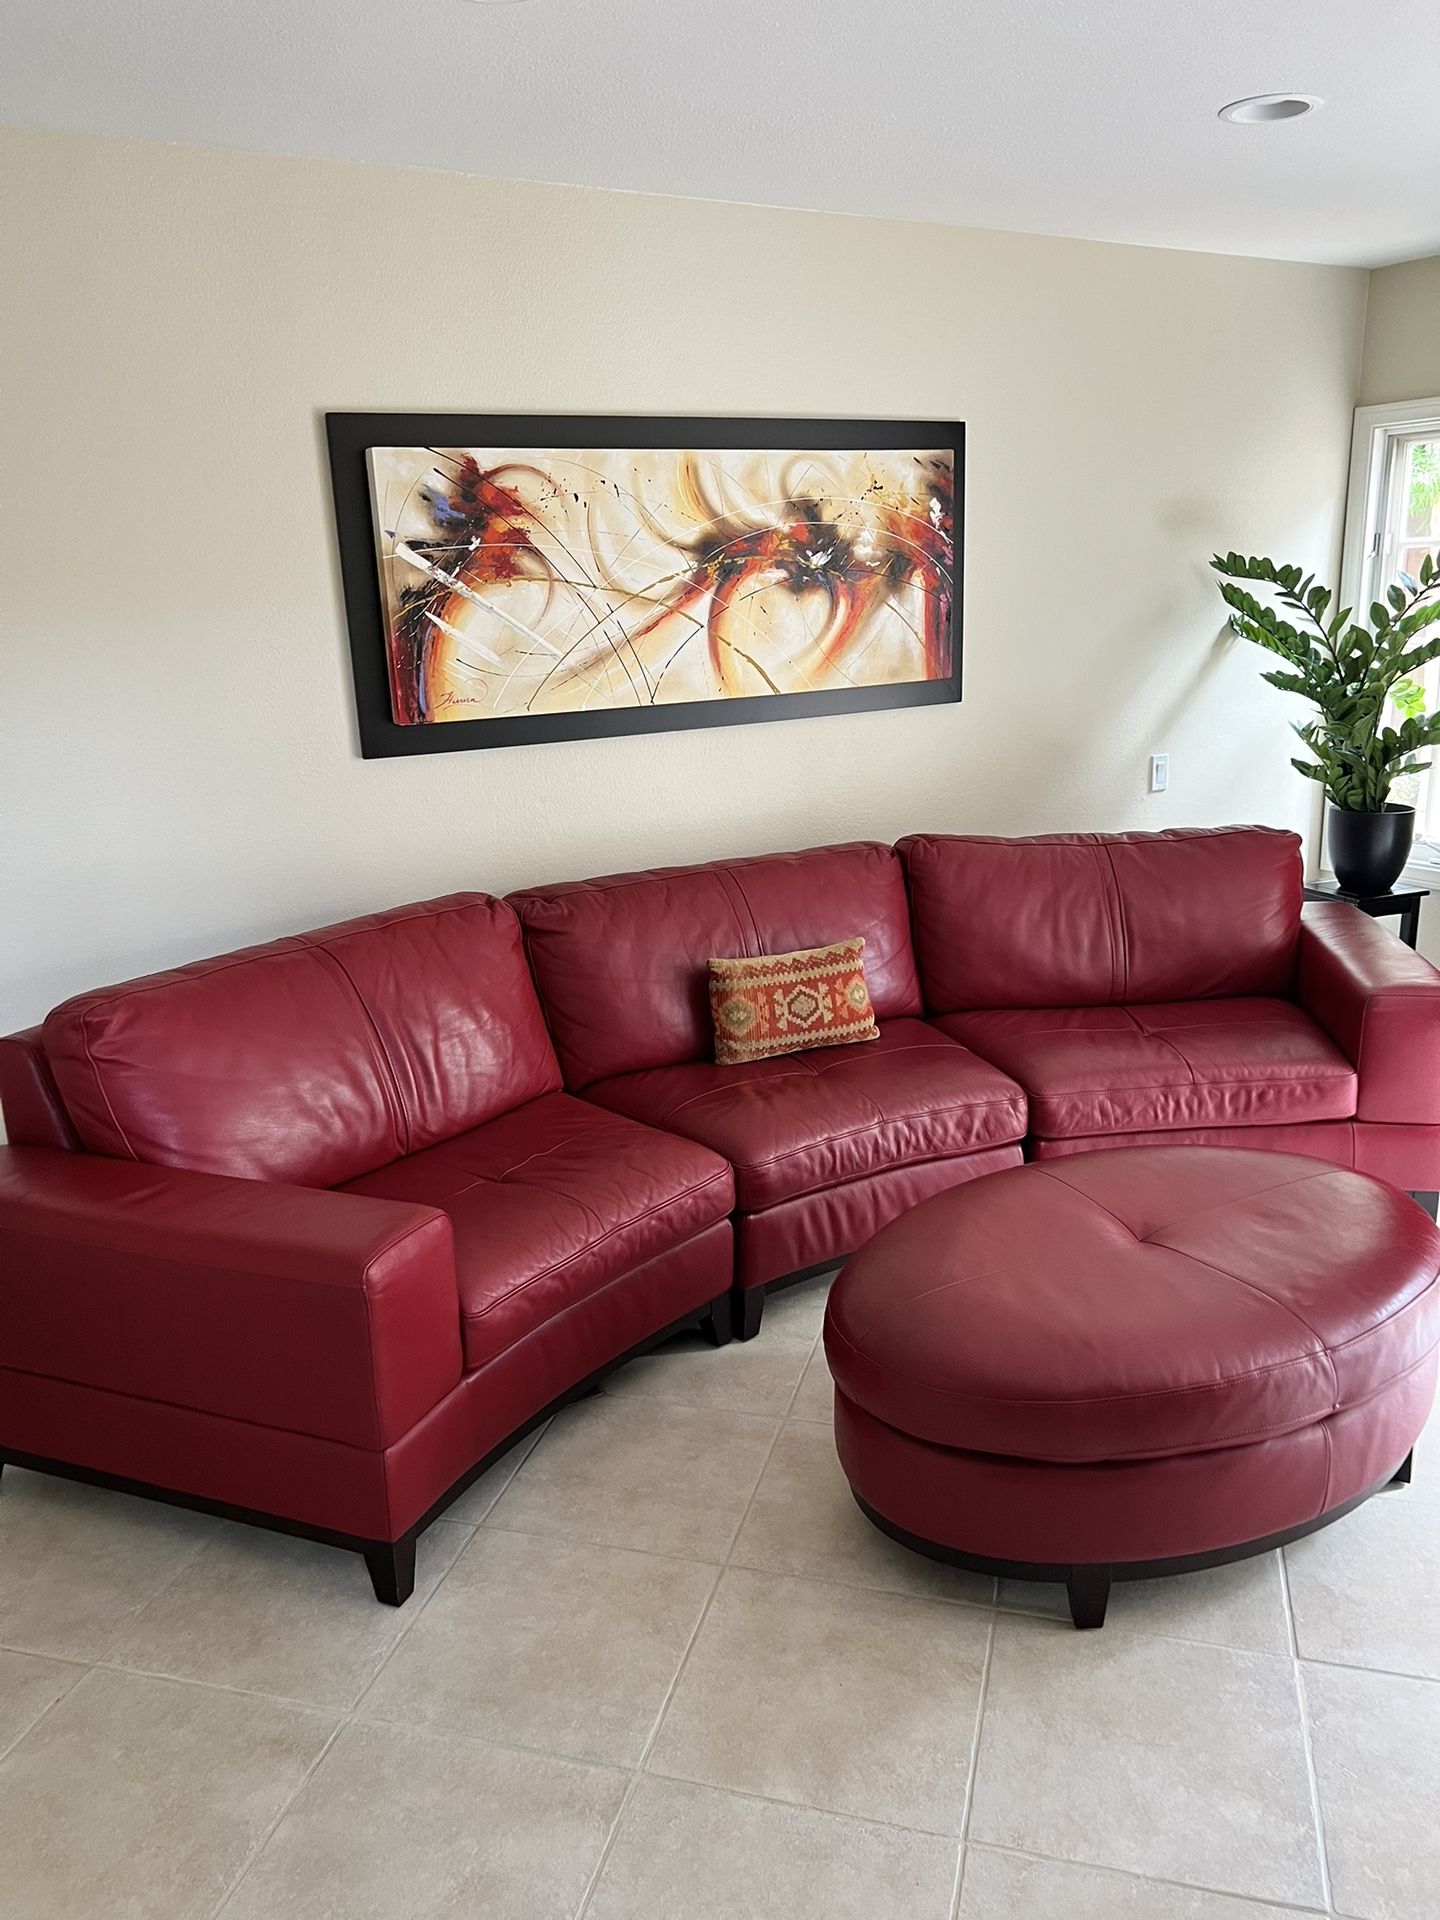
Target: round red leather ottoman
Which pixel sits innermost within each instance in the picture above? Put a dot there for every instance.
(1133, 1362)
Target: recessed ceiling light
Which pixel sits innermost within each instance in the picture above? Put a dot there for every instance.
(1261, 108)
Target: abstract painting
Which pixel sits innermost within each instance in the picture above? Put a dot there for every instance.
(527, 585)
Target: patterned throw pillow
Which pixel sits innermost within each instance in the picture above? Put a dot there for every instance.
(786, 1002)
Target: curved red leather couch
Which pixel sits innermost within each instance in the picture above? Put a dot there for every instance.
(826, 1146)
(1090, 1368)
(311, 1231)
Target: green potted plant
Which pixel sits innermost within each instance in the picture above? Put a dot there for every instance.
(1371, 725)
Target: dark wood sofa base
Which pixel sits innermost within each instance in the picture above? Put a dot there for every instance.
(1087, 1586)
(749, 1302)
(391, 1563)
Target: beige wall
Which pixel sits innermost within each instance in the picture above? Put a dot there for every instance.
(1402, 362)
(179, 765)
(1402, 334)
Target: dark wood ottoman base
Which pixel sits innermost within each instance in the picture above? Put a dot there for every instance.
(1087, 1587)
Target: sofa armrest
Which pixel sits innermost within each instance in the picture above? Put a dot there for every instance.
(1380, 1003)
(327, 1314)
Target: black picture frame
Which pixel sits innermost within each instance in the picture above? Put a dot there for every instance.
(351, 435)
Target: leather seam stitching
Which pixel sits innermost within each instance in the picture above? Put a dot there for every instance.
(733, 877)
(330, 1287)
(624, 1226)
(1250, 1286)
(1184, 1451)
(1158, 1086)
(1153, 1393)
(389, 1078)
(100, 1086)
(736, 893)
(1344, 1346)
(1078, 1400)
(576, 1306)
(208, 1413)
(853, 1133)
(859, 1179)
(1144, 1239)
(1115, 913)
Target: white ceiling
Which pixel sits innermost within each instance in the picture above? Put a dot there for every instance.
(1094, 118)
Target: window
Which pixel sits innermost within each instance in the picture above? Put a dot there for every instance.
(1391, 523)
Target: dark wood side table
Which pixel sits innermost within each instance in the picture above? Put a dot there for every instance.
(1403, 900)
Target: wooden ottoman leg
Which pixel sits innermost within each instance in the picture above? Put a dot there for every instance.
(1088, 1591)
(1401, 1475)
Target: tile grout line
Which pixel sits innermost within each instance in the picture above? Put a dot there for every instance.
(780, 1426)
(524, 1452)
(45, 1712)
(839, 1814)
(442, 1732)
(202, 1547)
(1389, 1673)
(1155, 1880)
(958, 1888)
(1120, 1627)
(605, 1852)
(744, 1566)
(345, 1720)
(661, 1398)
(269, 1834)
(1317, 1812)
(119, 1667)
(417, 1615)
(638, 1771)
(1123, 1629)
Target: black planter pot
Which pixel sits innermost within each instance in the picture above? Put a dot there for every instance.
(1368, 850)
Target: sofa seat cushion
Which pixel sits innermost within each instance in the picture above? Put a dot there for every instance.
(550, 1203)
(1251, 1062)
(813, 1120)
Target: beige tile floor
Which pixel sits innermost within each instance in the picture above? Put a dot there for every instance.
(658, 1667)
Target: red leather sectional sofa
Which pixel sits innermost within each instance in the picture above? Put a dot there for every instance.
(309, 1234)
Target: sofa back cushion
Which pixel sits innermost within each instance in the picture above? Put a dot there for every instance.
(1089, 920)
(314, 1059)
(622, 962)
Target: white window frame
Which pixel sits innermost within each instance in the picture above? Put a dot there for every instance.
(1377, 429)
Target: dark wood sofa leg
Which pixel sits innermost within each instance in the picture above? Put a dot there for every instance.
(1088, 1591)
(392, 1569)
(1401, 1476)
(717, 1323)
(749, 1306)
(1430, 1202)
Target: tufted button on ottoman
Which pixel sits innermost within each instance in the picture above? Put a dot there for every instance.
(1121, 1364)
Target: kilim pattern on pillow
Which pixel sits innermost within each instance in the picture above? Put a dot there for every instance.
(786, 1002)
